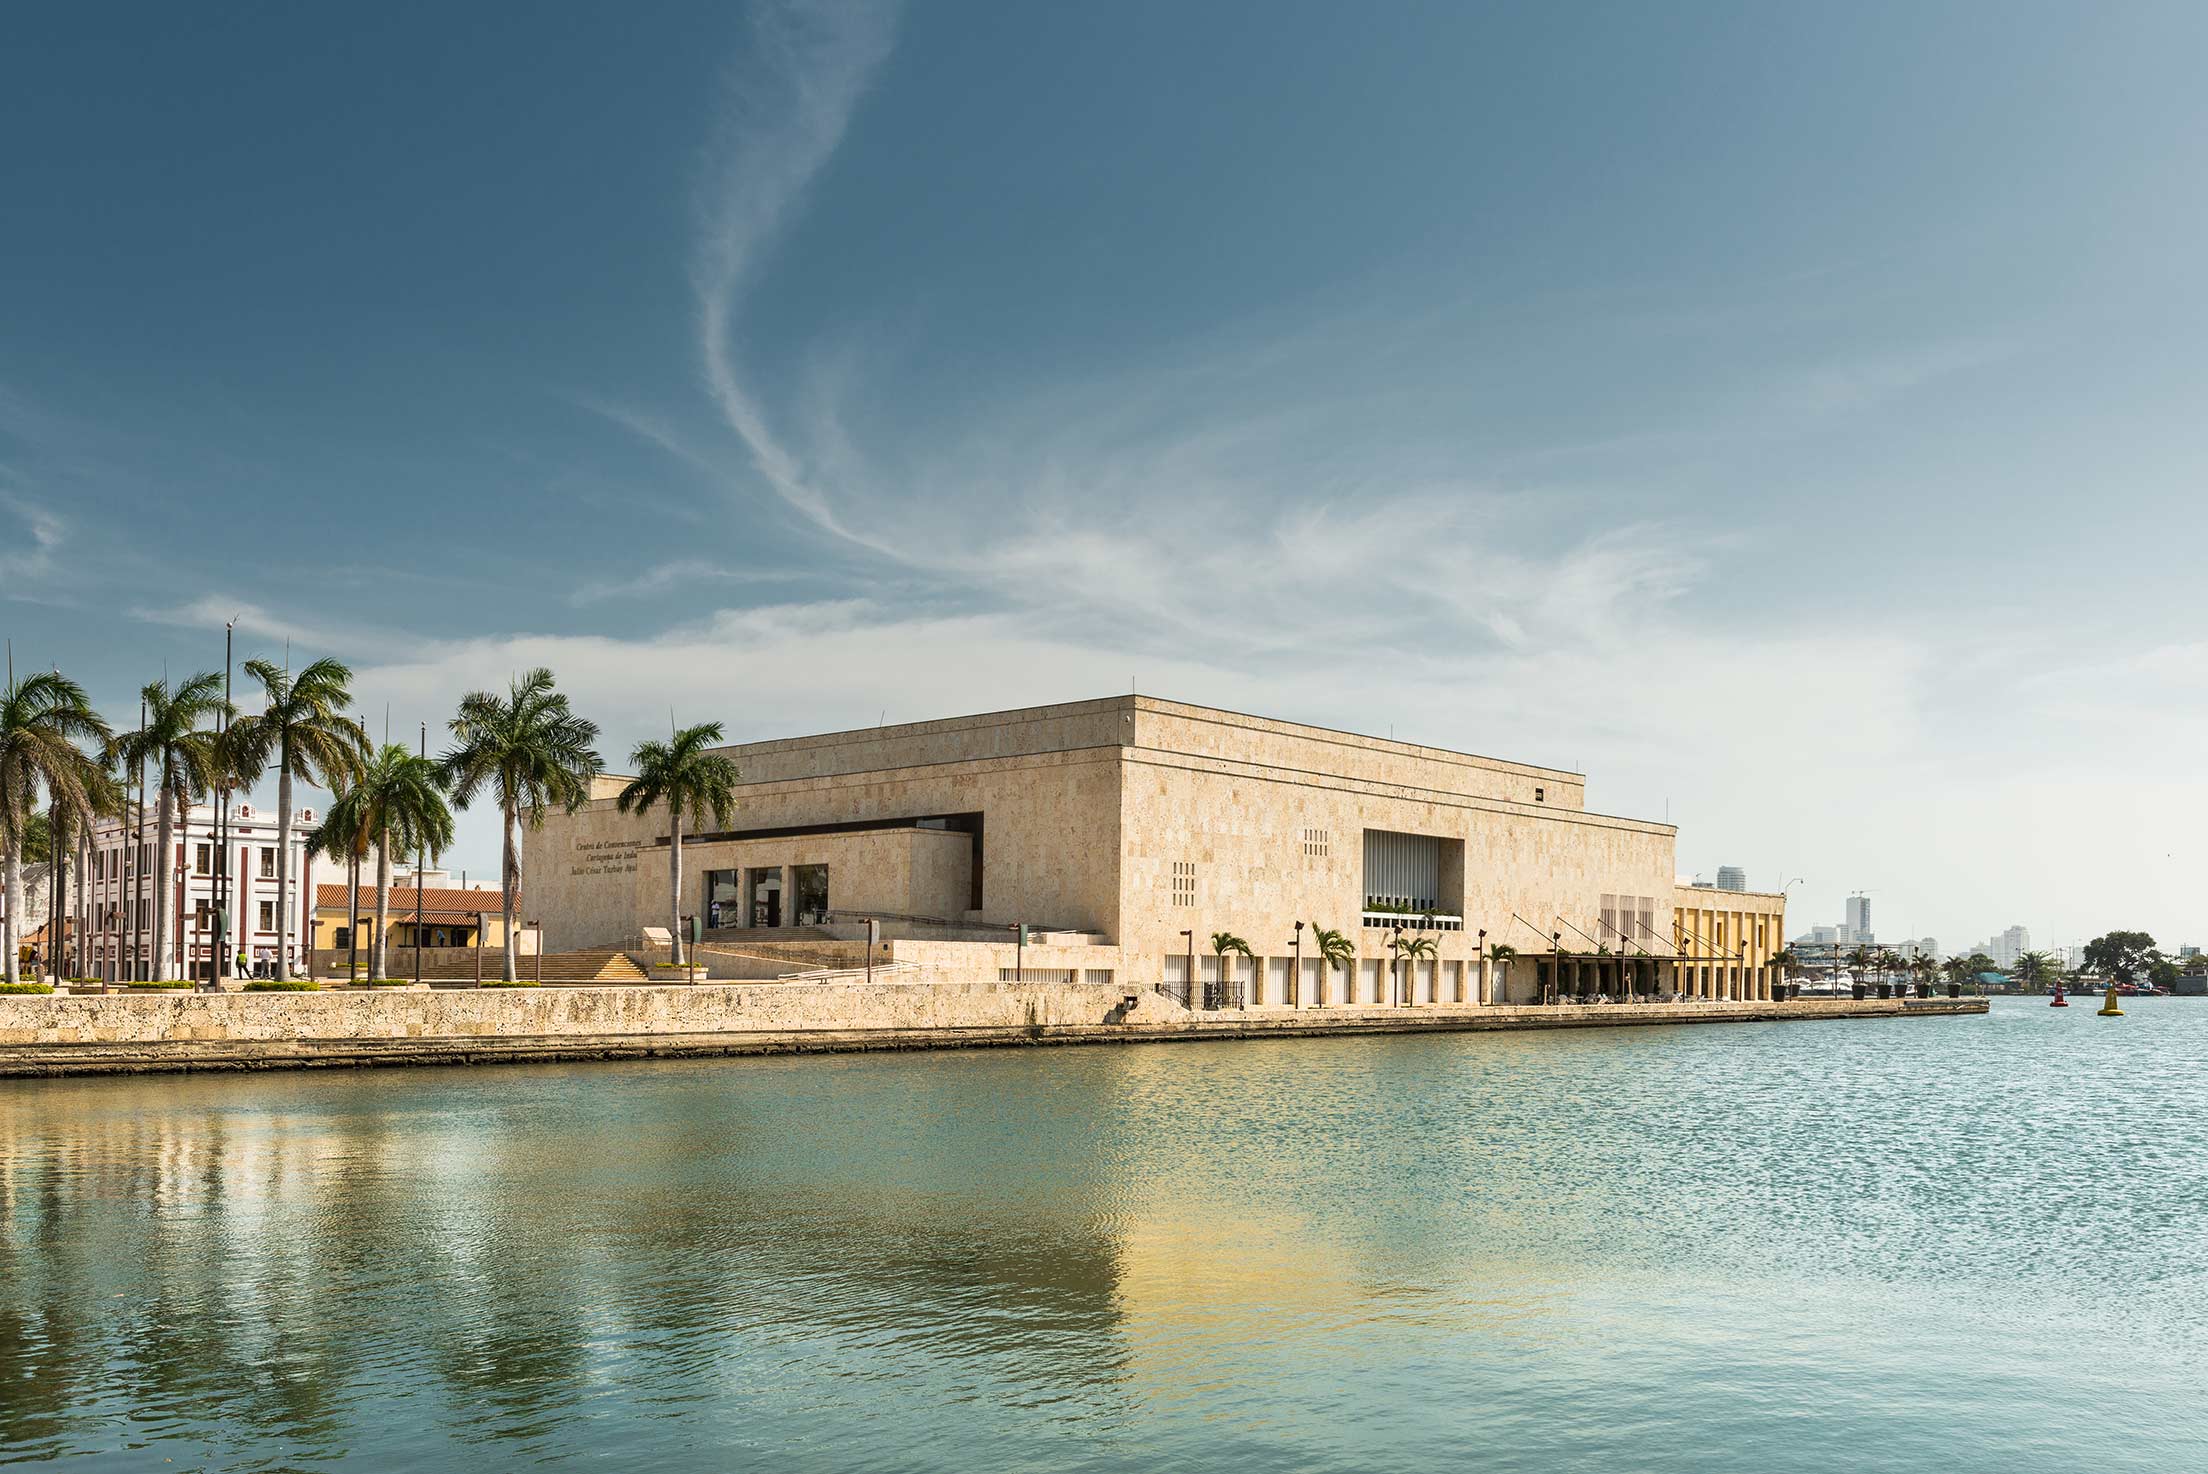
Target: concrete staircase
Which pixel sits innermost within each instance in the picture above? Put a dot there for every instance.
(585, 967)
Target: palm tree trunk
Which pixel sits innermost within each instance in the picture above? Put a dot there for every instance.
(352, 914)
(506, 879)
(381, 956)
(14, 867)
(164, 836)
(283, 862)
(674, 878)
(184, 891)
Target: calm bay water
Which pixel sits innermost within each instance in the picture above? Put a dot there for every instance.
(1918, 1244)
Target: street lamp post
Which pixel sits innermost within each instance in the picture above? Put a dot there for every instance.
(1295, 978)
(1188, 982)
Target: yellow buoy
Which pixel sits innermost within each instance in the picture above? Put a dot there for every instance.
(2108, 1006)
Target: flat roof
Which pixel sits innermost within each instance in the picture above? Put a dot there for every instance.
(1136, 700)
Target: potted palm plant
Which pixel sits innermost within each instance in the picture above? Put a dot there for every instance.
(1336, 953)
(1224, 944)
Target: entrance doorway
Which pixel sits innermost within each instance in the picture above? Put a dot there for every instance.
(766, 900)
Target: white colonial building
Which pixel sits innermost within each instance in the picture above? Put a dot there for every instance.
(125, 881)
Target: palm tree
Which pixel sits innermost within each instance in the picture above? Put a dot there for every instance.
(1957, 970)
(1406, 945)
(42, 719)
(176, 744)
(68, 833)
(395, 803)
(1500, 956)
(303, 730)
(1926, 969)
(2034, 968)
(529, 751)
(1336, 952)
(688, 777)
(1224, 943)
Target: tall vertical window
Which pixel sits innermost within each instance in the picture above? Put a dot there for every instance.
(200, 858)
(268, 916)
(268, 862)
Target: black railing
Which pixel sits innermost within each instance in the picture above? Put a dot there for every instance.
(1214, 995)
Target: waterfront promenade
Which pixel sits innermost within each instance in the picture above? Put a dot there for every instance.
(115, 1033)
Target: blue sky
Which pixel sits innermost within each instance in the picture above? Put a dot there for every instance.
(1791, 416)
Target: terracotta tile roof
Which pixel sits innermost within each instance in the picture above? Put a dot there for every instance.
(447, 905)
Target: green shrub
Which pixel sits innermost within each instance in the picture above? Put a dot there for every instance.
(88, 982)
(287, 985)
(26, 987)
(162, 983)
(387, 982)
(502, 983)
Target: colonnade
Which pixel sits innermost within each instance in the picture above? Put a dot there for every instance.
(1305, 983)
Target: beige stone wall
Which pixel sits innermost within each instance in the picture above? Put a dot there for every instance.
(437, 962)
(1048, 856)
(1262, 742)
(1245, 830)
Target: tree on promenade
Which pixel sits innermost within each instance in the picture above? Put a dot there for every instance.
(396, 803)
(528, 750)
(1336, 953)
(177, 747)
(1500, 956)
(303, 730)
(68, 824)
(42, 719)
(1223, 945)
(686, 776)
(1407, 947)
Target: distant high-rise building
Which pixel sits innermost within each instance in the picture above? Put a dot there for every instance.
(1858, 928)
(1731, 878)
(1825, 936)
(2188, 951)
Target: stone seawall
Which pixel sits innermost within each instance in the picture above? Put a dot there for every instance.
(49, 1035)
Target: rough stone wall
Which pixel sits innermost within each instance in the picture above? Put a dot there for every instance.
(544, 1012)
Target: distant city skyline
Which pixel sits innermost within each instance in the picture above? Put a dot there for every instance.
(1603, 388)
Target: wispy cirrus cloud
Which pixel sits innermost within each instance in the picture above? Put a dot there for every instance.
(689, 575)
(28, 559)
(786, 106)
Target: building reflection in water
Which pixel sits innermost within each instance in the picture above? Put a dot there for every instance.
(751, 1253)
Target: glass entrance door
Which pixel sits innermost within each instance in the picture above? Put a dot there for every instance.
(766, 899)
(724, 898)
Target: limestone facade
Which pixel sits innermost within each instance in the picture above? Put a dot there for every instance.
(1155, 824)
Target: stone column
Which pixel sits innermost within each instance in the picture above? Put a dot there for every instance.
(1486, 980)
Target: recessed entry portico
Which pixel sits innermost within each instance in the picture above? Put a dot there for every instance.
(802, 880)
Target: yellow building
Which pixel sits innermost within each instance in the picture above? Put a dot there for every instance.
(449, 917)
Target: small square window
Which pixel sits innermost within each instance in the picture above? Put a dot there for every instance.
(1540, 795)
